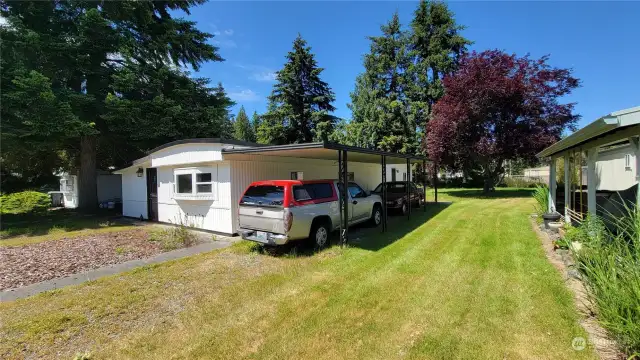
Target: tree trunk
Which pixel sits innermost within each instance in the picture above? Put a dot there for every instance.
(87, 185)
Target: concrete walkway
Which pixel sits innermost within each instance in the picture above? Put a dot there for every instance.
(33, 289)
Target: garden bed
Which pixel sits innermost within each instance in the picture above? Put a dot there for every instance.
(32, 263)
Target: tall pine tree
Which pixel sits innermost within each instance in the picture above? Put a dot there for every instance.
(300, 101)
(255, 125)
(89, 60)
(436, 46)
(242, 127)
(381, 116)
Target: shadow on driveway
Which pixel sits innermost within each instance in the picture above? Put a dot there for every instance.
(362, 236)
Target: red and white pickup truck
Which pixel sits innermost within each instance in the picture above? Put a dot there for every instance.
(274, 212)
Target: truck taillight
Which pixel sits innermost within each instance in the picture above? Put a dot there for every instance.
(288, 219)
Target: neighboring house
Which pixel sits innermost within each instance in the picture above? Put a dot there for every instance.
(198, 182)
(615, 168)
(109, 187)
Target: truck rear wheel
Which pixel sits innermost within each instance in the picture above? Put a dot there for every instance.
(320, 234)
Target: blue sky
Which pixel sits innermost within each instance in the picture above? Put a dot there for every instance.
(599, 40)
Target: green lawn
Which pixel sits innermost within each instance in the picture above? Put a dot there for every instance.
(467, 280)
(22, 229)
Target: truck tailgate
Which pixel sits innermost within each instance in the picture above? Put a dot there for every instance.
(263, 218)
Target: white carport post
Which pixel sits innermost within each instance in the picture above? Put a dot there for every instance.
(635, 145)
(567, 188)
(552, 186)
(592, 157)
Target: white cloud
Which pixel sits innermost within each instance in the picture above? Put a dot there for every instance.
(264, 76)
(225, 43)
(244, 95)
(258, 72)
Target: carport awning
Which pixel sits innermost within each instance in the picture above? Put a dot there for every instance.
(324, 151)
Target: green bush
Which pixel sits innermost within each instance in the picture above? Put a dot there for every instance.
(609, 262)
(24, 202)
(541, 195)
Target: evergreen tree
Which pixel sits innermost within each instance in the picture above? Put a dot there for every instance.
(255, 124)
(381, 112)
(300, 101)
(436, 47)
(242, 127)
(89, 66)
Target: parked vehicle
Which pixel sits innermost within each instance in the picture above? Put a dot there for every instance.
(275, 212)
(397, 199)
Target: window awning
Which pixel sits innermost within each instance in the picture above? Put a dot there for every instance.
(324, 151)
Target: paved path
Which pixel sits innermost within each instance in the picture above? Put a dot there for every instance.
(33, 289)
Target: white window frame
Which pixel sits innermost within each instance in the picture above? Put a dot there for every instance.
(627, 162)
(194, 194)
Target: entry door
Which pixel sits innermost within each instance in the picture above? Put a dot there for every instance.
(152, 194)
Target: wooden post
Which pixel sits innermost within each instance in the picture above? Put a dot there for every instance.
(592, 157)
(552, 186)
(567, 188)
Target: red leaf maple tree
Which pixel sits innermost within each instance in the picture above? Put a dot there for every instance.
(499, 107)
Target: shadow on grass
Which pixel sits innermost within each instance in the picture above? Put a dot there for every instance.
(360, 236)
(65, 220)
(500, 193)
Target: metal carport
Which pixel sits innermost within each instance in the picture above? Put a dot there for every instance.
(342, 154)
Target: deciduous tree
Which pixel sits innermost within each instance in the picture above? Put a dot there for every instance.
(499, 107)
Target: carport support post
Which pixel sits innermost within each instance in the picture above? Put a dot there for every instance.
(435, 182)
(408, 189)
(567, 188)
(344, 232)
(592, 157)
(383, 191)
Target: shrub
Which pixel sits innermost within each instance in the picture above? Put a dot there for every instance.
(541, 195)
(24, 202)
(610, 264)
(173, 238)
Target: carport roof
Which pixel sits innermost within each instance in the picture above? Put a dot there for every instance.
(326, 151)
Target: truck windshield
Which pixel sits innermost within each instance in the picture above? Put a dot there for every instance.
(263, 195)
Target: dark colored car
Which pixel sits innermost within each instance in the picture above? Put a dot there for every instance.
(397, 195)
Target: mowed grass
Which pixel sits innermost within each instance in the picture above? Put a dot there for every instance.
(468, 280)
(23, 229)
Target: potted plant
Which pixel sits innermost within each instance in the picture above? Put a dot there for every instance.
(541, 195)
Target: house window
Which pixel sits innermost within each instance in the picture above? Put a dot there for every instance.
(297, 175)
(204, 185)
(627, 162)
(194, 181)
(184, 183)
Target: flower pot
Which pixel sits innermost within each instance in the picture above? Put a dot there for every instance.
(549, 218)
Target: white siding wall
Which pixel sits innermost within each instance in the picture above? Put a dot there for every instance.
(182, 155)
(109, 187)
(214, 215)
(611, 173)
(134, 193)
(256, 168)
